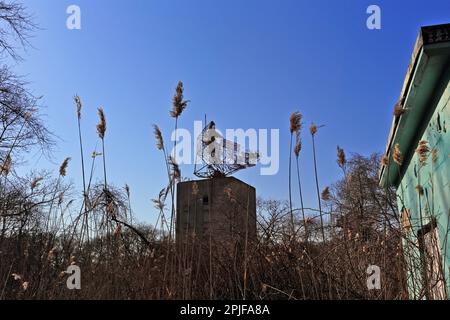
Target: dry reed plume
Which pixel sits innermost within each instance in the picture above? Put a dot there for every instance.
(159, 138)
(101, 126)
(422, 152)
(295, 122)
(341, 160)
(6, 167)
(326, 194)
(434, 155)
(313, 129)
(178, 104)
(399, 110)
(79, 105)
(397, 156)
(384, 160)
(63, 167)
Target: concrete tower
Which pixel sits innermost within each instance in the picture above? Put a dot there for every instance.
(220, 209)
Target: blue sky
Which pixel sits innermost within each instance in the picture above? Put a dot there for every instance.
(246, 64)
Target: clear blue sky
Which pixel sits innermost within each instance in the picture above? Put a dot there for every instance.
(247, 64)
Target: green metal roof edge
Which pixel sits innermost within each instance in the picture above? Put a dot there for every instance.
(410, 73)
(429, 37)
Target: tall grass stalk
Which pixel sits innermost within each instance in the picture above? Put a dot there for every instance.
(85, 224)
(298, 147)
(313, 131)
(295, 125)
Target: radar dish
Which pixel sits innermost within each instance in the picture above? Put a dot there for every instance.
(218, 156)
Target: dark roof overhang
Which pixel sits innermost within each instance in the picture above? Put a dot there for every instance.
(429, 62)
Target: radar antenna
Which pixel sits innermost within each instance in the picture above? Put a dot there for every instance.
(218, 156)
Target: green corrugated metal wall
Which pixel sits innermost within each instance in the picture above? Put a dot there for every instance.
(434, 177)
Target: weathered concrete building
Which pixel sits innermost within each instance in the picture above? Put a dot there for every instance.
(221, 209)
(417, 163)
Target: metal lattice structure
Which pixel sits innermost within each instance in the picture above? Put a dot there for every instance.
(218, 156)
